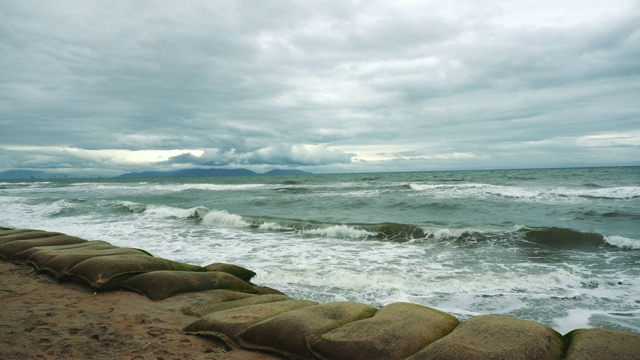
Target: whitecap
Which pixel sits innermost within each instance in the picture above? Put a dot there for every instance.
(223, 218)
(623, 242)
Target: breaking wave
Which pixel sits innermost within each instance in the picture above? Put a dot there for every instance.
(559, 194)
(552, 237)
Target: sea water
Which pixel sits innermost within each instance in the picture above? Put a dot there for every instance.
(557, 246)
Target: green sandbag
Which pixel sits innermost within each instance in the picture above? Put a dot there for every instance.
(58, 264)
(8, 231)
(265, 290)
(603, 344)
(497, 337)
(10, 248)
(235, 270)
(396, 331)
(159, 285)
(25, 255)
(107, 272)
(227, 325)
(288, 333)
(203, 308)
(214, 297)
(26, 235)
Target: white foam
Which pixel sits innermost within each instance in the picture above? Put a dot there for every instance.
(623, 242)
(622, 192)
(268, 225)
(557, 283)
(575, 319)
(533, 194)
(443, 233)
(130, 205)
(341, 231)
(223, 218)
(170, 211)
(587, 318)
(475, 190)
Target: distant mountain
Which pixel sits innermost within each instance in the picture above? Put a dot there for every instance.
(190, 172)
(210, 172)
(286, 172)
(29, 174)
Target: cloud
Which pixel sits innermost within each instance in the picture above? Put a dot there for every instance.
(279, 155)
(422, 85)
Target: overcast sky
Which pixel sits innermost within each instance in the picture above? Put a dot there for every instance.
(107, 87)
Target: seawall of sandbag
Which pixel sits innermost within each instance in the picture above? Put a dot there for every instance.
(245, 315)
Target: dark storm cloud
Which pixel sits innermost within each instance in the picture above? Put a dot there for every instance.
(323, 85)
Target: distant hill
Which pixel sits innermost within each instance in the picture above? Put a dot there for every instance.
(286, 172)
(191, 172)
(29, 174)
(208, 172)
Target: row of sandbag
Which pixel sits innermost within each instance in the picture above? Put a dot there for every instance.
(301, 329)
(106, 267)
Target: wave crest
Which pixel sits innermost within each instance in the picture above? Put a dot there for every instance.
(223, 218)
(623, 242)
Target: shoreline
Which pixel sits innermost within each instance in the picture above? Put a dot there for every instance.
(44, 318)
(230, 318)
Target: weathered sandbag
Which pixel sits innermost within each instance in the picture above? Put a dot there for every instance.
(227, 325)
(203, 308)
(288, 333)
(9, 231)
(107, 272)
(214, 297)
(26, 235)
(602, 344)
(396, 331)
(235, 270)
(496, 337)
(24, 255)
(265, 290)
(159, 285)
(10, 248)
(58, 264)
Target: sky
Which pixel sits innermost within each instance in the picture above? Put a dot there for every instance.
(107, 87)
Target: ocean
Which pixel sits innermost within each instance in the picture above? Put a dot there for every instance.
(557, 246)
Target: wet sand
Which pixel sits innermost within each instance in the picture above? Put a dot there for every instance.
(42, 318)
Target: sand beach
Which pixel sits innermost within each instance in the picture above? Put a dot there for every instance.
(42, 318)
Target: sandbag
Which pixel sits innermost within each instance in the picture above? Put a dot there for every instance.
(265, 290)
(288, 333)
(26, 235)
(214, 297)
(9, 231)
(107, 272)
(496, 337)
(602, 344)
(24, 255)
(159, 285)
(203, 308)
(227, 325)
(12, 247)
(396, 331)
(58, 264)
(235, 270)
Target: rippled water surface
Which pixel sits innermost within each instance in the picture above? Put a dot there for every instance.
(559, 246)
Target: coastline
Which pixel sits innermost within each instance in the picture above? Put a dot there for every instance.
(47, 319)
